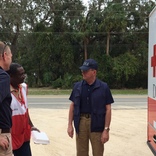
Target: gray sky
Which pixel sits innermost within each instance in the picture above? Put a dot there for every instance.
(85, 1)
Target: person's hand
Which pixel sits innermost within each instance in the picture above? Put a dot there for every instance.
(104, 136)
(70, 131)
(34, 129)
(4, 142)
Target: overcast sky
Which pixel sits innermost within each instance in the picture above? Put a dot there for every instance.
(85, 1)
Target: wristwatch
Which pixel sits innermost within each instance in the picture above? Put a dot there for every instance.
(107, 129)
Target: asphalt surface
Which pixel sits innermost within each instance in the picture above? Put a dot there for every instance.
(62, 101)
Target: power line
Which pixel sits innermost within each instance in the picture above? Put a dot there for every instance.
(67, 32)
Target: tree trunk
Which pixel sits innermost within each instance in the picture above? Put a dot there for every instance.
(108, 40)
(85, 48)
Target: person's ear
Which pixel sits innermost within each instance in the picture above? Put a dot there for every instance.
(4, 55)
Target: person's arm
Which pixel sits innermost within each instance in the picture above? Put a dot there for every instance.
(33, 128)
(70, 129)
(105, 134)
(108, 116)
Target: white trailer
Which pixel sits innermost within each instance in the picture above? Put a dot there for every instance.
(151, 126)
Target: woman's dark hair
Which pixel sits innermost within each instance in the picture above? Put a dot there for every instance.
(13, 68)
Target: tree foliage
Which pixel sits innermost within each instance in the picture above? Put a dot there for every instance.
(51, 39)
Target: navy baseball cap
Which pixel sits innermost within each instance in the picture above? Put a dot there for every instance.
(89, 64)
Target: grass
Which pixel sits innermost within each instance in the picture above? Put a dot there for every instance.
(48, 91)
(129, 91)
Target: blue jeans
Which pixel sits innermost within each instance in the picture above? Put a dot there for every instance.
(24, 150)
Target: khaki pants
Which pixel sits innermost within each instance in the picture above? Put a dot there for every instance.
(7, 152)
(82, 139)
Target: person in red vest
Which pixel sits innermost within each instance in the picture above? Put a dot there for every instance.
(21, 122)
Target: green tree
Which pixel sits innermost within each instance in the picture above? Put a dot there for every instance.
(114, 21)
(125, 66)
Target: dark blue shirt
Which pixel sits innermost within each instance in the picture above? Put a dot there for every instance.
(100, 96)
(85, 101)
(5, 101)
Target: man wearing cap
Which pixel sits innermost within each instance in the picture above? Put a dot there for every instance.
(90, 110)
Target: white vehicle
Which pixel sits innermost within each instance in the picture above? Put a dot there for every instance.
(151, 128)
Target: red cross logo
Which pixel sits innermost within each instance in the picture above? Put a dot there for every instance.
(153, 61)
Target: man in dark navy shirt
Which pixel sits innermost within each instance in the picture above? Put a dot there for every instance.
(90, 110)
(5, 101)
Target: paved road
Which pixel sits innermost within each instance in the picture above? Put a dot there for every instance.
(62, 102)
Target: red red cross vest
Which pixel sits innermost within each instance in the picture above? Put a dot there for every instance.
(21, 129)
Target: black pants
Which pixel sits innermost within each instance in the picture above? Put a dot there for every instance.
(24, 150)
